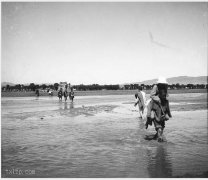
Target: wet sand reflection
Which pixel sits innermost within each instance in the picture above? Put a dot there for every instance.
(159, 163)
(66, 105)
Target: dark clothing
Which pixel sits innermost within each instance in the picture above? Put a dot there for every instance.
(71, 95)
(158, 114)
(155, 106)
(158, 109)
(60, 94)
(65, 93)
(156, 95)
(159, 124)
(37, 92)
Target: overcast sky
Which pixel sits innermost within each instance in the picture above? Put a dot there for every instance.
(104, 43)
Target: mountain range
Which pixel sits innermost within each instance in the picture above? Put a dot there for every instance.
(172, 80)
(7, 83)
(180, 80)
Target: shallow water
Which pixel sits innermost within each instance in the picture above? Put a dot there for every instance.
(101, 136)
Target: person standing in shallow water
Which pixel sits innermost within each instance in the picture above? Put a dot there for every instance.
(60, 94)
(140, 101)
(158, 110)
(143, 95)
(37, 92)
(65, 94)
(71, 95)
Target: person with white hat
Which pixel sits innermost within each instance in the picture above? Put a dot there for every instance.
(161, 84)
(154, 109)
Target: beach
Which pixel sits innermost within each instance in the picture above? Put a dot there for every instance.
(102, 137)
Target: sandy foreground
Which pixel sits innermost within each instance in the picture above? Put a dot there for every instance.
(101, 136)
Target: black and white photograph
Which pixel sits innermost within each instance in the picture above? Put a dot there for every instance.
(104, 89)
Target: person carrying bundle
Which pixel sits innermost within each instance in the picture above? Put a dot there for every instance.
(158, 110)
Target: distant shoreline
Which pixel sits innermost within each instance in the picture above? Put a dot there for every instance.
(99, 92)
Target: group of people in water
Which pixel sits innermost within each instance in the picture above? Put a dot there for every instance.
(65, 93)
(61, 93)
(156, 110)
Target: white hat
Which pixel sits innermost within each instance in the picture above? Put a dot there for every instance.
(162, 80)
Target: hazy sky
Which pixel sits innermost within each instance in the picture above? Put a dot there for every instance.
(104, 43)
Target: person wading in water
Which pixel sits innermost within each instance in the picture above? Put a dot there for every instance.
(140, 101)
(158, 110)
(60, 94)
(65, 94)
(71, 95)
(37, 92)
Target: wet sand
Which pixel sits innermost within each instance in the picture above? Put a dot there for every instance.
(102, 136)
(98, 92)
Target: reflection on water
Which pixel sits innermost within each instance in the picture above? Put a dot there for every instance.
(158, 160)
(69, 105)
(159, 164)
(66, 105)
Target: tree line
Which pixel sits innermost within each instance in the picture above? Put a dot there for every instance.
(30, 87)
(170, 86)
(82, 87)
